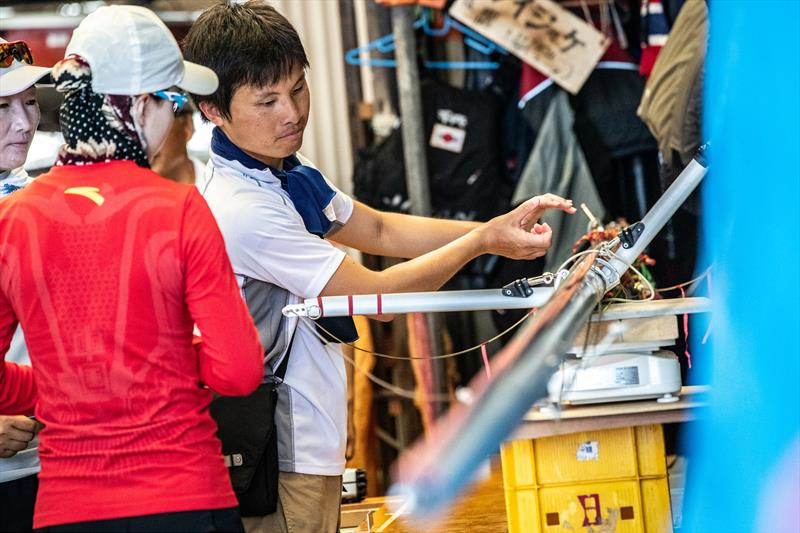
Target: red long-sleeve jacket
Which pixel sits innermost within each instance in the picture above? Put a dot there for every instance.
(108, 267)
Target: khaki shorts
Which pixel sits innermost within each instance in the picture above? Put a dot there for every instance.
(306, 504)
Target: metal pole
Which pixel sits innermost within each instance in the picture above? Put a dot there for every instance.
(411, 111)
(416, 302)
(662, 211)
(430, 474)
(430, 477)
(416, 163)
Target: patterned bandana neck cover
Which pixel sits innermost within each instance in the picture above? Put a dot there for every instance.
(97, 128)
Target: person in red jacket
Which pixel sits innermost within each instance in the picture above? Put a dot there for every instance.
(108, 267)
(19, 118)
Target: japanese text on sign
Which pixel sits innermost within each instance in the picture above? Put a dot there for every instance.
(539, 32)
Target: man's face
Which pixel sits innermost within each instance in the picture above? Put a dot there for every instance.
(19, 117)
(268, 122)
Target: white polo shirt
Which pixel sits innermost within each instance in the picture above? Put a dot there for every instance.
(267, 241)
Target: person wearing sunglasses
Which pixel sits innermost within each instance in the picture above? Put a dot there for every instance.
(109, 267)
(19, 111)
(173, 161)
(19, 117)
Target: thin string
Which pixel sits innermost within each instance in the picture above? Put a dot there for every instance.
(643, 278)
(710, 322)
(573, 258)
(690, 282)
(399, 391)
(516, 324)
(486, 362)
(686, 332)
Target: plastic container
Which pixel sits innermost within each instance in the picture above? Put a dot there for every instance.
(609, 480)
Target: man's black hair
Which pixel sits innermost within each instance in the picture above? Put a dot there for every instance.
(245, 44)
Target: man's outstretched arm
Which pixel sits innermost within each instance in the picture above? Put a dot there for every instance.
(398, 235)
(516, 235)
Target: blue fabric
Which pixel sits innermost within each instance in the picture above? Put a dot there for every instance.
(656, 24)
(308, 190)
(744, 464)
(8, 188)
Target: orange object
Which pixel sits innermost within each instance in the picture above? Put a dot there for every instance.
(360, 408)
(436, 4)
(419, 345)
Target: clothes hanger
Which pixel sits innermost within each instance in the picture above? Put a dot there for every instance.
(608, 16)
(385, 45)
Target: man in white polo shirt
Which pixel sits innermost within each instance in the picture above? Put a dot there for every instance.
(278, 215)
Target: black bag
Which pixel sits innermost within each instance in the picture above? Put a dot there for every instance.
(246, 427)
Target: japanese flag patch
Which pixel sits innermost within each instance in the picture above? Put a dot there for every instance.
(448, 138)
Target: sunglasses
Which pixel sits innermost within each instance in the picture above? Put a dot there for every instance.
(14, 50)
(178, 99)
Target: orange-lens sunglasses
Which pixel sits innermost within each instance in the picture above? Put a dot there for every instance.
(14, 50)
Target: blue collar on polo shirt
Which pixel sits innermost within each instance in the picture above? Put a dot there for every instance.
(306, 187)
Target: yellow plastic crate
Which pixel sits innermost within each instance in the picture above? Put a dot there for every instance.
(610, 480)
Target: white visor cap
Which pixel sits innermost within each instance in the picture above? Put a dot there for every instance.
(131, 51)
(19, 76)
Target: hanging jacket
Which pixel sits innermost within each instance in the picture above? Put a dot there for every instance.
(557, 165)
(461, 136)
(671, 103)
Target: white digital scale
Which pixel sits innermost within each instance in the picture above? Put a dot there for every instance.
(617, 377)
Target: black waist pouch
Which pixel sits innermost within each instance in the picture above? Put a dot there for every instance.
(246, 427)
(337, 328)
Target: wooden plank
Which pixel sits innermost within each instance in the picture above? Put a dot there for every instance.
(647, 329)
(352, 518)
(690, 398)
(529, 430)
(572, 419)
(480, 509)
(671, 306)
(555, 41)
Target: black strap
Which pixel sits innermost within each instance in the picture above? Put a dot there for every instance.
(281, 370)
(343, 327)
(337, 329)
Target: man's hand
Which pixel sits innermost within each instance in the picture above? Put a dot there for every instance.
(15, 434)
(517, 234)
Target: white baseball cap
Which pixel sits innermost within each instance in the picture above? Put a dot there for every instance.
(131, 51)
(18, 76)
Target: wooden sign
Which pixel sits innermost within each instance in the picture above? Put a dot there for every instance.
(539, 32)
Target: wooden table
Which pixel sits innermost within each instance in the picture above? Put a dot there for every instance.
(481, 509)
(537, 424)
